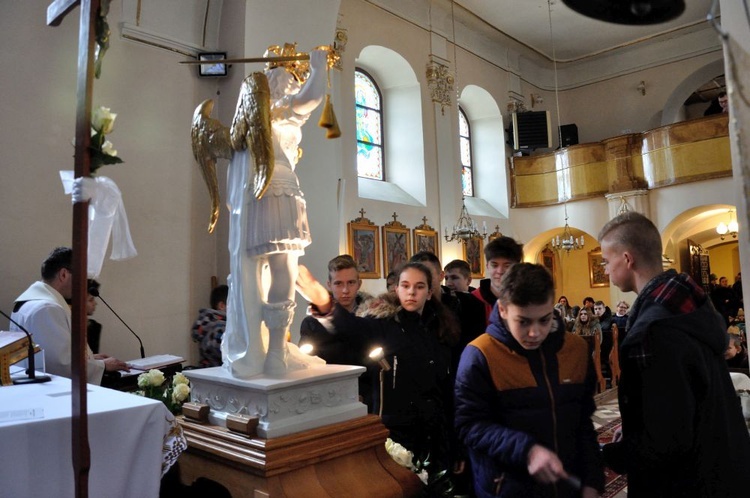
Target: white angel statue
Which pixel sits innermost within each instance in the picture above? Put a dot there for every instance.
(268, 215)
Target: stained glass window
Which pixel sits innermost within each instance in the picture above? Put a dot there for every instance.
(369, 119)
(464, 138)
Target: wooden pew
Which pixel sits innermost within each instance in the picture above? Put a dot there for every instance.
(614, 356)
(595, 346)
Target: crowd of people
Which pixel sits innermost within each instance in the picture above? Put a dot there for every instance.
(515, 393)
(492, 387)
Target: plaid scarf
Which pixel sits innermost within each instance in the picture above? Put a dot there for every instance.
(675, 294)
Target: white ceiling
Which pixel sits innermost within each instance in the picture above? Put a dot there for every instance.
(575, 36)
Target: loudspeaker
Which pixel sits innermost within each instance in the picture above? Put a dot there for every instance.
(568, 135)
(531, 130)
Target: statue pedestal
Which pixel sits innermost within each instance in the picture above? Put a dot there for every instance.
(343, 459)
(298, 401)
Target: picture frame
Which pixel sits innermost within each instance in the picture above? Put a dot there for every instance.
(547, 259)
(474, 255)
(597, 275)
(212, 70)
(364, 246)
(426, 238)
(396, 245)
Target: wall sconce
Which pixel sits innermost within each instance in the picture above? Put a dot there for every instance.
(641, 87)
(536, 99)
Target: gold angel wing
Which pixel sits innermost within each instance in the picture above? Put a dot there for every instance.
(210, 142)
(252, 126)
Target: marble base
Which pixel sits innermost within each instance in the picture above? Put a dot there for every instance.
(297, 401)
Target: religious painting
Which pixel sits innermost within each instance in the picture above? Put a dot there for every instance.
(396, 247)
(426, 238)
(426, 241)
(597, 276)
(474, 255)
(547, 257)
(364, 247)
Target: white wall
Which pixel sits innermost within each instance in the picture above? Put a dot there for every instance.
(163, 194)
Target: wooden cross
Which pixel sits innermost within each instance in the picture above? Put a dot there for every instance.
(362, 213)
(56, 11)
(424, 220)
(394, 216)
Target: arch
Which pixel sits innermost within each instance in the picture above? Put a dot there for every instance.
(571, 272)
(673, 108)
(402, 129)
(488, 150)
(697, 223)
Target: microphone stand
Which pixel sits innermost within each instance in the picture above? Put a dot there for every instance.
(30, 370)
(95, 293)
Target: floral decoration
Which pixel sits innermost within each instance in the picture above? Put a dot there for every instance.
(153, 384)
(437, 484)
(102, 150)
(405, 458)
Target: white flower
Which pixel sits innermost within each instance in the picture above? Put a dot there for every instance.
(179, 378)
(152, 378)
(400, 455)
(108, 148)
(103, 120)
(180, 393)
(144, 380)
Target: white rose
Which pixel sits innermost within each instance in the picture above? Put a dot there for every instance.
(108, 148)
(103, 120)
(400, 455)
(144, 381)
(155, 377)
(180, 393)
(179, 378)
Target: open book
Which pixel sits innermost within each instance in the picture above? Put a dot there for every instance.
(156, 361)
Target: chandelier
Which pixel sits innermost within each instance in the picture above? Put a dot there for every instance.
(565, 241)
(465, 228)
(732, 228)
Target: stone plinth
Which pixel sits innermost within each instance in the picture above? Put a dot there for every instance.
(298, 401)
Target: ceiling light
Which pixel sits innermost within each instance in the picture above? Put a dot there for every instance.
(565, 241)
(732, 228)
(465, 228)
(629, 12)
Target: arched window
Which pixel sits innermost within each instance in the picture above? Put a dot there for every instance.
(464, 137)
(368, 105)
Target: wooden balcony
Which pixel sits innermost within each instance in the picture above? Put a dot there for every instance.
(682, 152)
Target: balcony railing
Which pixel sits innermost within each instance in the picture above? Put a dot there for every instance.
(682, 152)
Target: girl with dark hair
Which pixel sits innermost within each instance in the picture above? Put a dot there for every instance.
(415, 332)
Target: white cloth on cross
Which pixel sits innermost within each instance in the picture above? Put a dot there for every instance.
(106, 216)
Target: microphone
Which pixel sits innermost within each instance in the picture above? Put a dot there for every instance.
(30, 370)
(95, 292)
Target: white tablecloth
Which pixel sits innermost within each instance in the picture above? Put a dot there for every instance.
(126, 436)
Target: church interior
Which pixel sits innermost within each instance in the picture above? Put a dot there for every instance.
(452, 77)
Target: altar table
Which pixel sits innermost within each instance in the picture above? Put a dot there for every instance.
(126, 436)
